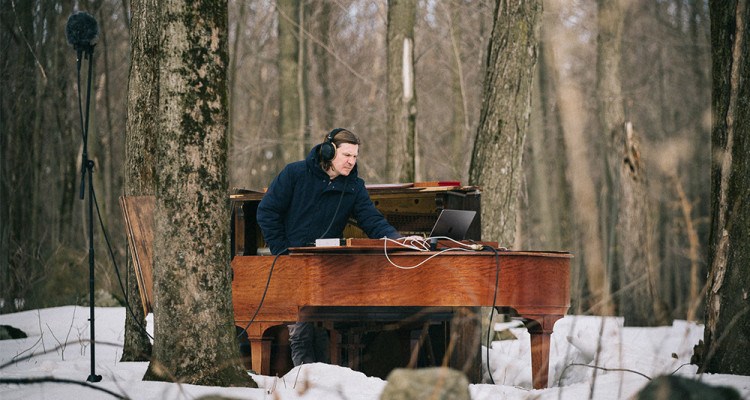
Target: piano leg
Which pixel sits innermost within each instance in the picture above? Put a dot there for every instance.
(540, 329)
(466, 342)
(261, 355)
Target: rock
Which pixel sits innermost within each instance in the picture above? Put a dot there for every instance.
(10, 332)
(670, 387)
(427, 383)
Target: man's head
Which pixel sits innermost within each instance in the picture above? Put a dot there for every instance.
(341, 158)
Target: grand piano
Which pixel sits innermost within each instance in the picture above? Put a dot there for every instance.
(361, 281)
(358, 280)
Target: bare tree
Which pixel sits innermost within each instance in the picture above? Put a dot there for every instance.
(401, 92)
(727, 332)
(459, 112)
(292, 111)
(629, 223)
(194, 334)
(140, 163)
(504, 119)
(573, 121)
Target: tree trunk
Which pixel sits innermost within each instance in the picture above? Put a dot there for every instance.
(236, 166)
(19, 153)
(193, 312)
(322, 16)
(504, 119)
(140, 149)
(459, 114)
(629, 239)
(401, 108)
(585, 198)
(290, 34)
(727, 332)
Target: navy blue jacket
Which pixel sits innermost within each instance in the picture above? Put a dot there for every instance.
(303, 204)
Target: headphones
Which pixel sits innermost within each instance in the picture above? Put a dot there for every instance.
(327, 148)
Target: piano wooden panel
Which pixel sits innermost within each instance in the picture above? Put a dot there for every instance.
(535, 284)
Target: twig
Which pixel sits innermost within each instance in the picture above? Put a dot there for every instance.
(60, 345)
(297, 377)
(559, 381)
(43, 379)
(31, 348)
(41, 332)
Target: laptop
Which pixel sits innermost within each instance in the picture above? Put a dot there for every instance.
(453, 223)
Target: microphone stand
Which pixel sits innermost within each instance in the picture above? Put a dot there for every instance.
(87, 166)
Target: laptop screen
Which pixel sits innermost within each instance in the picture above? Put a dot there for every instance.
(453, 223)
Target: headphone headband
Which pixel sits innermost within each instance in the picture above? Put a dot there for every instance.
(333, 133)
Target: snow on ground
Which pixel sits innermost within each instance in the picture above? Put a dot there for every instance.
(58, 342)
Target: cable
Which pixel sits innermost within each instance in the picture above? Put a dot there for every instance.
(421, 245)
(423, 249)
(117, 270)
(492, 312)
(337, 209)
(268, 282)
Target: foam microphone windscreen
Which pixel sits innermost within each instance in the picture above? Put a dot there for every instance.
(81, 29)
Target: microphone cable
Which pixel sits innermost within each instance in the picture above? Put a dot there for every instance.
(492, 312)
(337, 210)
(268, 282)
(117, 270)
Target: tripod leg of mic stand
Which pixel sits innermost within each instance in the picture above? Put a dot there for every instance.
(93, 377)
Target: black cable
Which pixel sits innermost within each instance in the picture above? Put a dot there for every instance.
(268, 282)
(492, 312)
(337, 210)
(117, 270)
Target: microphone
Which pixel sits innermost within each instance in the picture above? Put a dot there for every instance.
(80, 30)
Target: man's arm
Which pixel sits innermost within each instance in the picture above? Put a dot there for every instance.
(369, 219)
(272, 212)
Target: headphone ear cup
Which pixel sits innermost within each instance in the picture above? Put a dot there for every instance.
(327, 151)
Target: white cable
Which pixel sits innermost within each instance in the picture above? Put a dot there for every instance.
(385, 251)
(410, 243)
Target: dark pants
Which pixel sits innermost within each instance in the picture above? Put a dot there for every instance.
(308, 344)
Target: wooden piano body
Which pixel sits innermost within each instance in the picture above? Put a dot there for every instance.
(533, 284)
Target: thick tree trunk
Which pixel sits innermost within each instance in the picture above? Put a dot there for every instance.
(140, 149)
(727, 332)
(401, 108)
(504, 119)
(193, 313)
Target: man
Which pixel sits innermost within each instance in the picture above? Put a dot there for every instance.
(313, 199)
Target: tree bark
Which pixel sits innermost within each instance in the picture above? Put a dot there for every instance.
(585, 199)
(629, 240)
(290, 67)
(322, 17)
(727, 332)
(193, 312)
(504, 119)
(401, 108)
(459, 114)
(140, 150)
